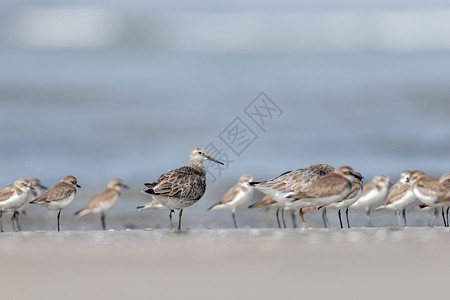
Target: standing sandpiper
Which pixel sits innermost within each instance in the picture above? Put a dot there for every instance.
(182, 187)
(59, 196)
(236, 197)
(13, 197)
(103, 201)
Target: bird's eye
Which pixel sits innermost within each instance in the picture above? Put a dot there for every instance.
(199, 152)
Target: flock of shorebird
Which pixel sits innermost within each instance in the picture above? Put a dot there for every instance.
(319, 186)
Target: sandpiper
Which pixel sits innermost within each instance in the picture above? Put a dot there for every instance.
(103, 201)
(13, 197)
(267, 202)
(292, 182)
(374, 193)
(445, 182)
(430, 192)
(59, 196)
(236, 197)
(400, 197)
(182, 187)
(354, 195)
(36, 192)
(329, 189)
(156, 206)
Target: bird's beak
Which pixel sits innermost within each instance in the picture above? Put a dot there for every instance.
(78, 186)
(32, 187)
(125, 186)
(44, 187)
(212, 159)
(358, 176)
(407, 180)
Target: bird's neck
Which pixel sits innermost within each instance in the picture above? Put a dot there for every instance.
(197, 166)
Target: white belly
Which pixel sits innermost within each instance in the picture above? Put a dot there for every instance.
(174, 203)
(59, 204)
(15, 201)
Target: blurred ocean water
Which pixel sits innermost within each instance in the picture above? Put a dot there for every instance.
(130, 108)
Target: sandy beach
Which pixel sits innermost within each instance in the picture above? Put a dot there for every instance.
(226, 263)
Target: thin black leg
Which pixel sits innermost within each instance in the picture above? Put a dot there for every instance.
(13, 221)
(282, 218)
(170, 217)
(340, 220)
(179, 219)
(234, 219)
(103, 221)
(443, 217)
(404, 217)
(346, 215)
(278, 217)
(59, 214)
(1, 223)
(446, 214)
(294, 222)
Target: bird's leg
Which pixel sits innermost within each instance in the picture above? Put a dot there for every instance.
(294, 222)
(1, 223)
(340, 220)
(59, 214)
(282, 218)
(404, 217)
(346, 215)
(102, 217)
(397, 215)
(443, 217)
(179, 220)
(13, 221)
(234, 219)
(301, 216)
(369, 221)
(434, 217)
(326, 224)
(278, 217)
(446, 214)
(17, 220)
(170, 217)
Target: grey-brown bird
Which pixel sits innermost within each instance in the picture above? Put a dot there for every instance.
(103, 201)
(59, 196)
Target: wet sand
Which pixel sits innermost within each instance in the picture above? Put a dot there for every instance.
(359, 263)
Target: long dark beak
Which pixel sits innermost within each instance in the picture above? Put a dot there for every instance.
(358, 176)
(32, 187)
(78, 186)
(125, 186)
(212, 159)
(44, 187)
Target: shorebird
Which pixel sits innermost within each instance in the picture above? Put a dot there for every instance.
(400, 197)
(182, 187)
(430, 192)
(374, 193)
(13, 197)
(445, 182)
(331, 188)
(267, 202)
(156, 206)
(354, 195)
(36, 192)
(59, 196)
(292, 182)
(103, 201)
(236, 197)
